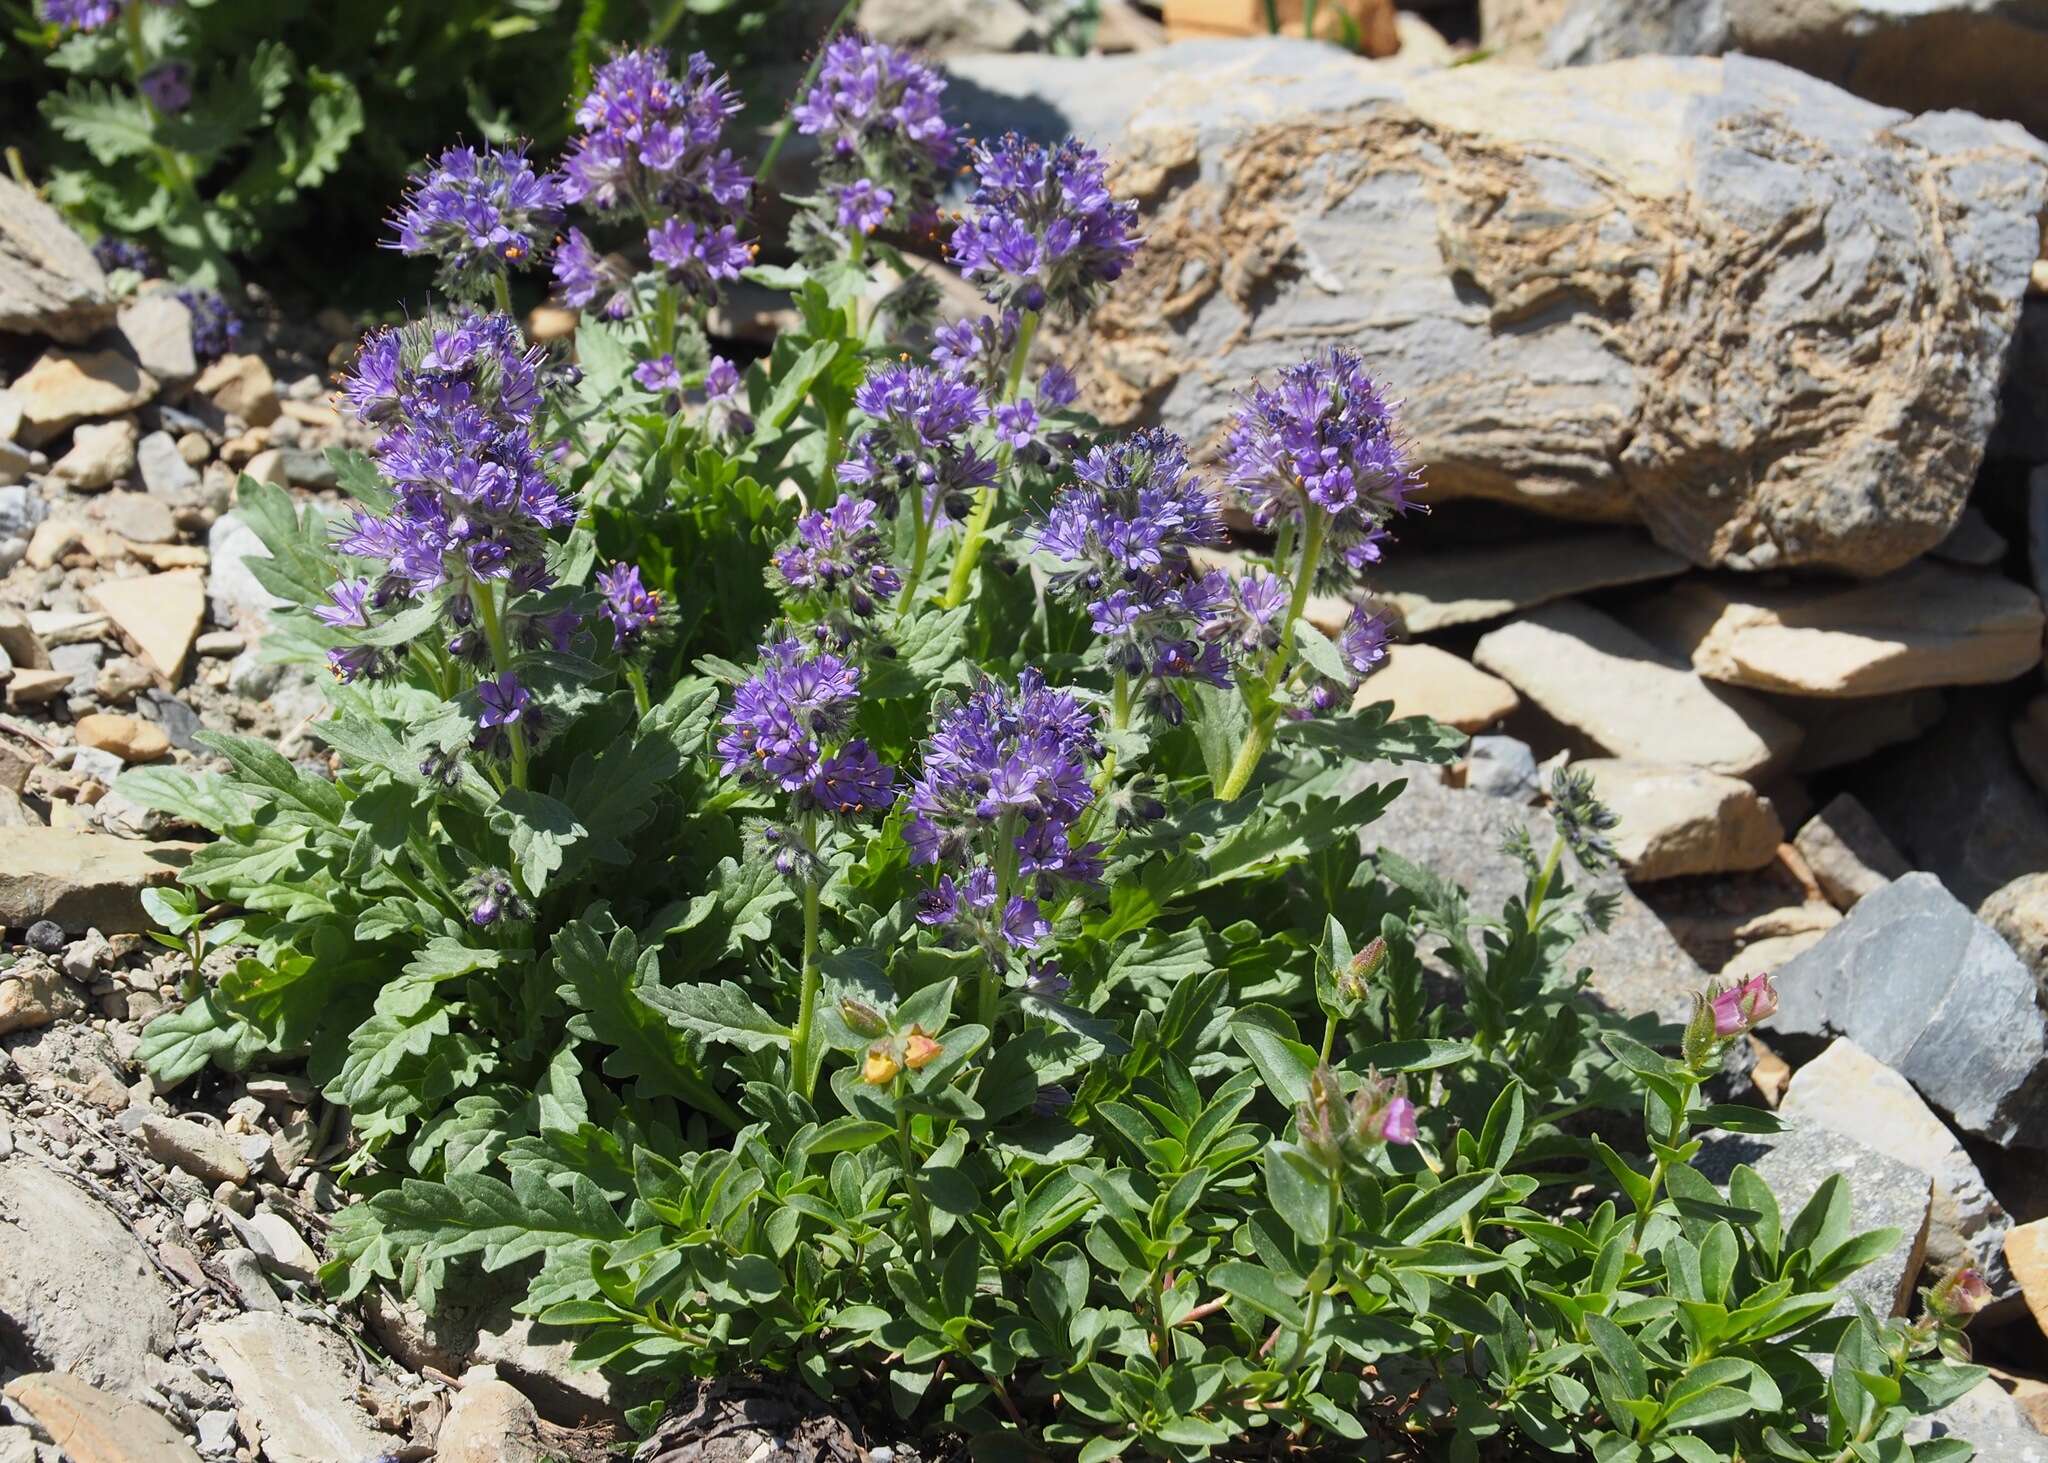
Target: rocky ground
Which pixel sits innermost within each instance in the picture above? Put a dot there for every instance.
(1735, 390)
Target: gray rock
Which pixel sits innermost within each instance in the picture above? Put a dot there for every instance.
(202, 1151)
(1501, 767)
(298, 1382)
(164, 469)
(1456, 833)
(1983, 56)
(1884, 1193)
(280, 1246)
(158, 328)
(1957, 802)
(1581, 284)
(236, 597)
(81, 661)
(1847, 851)
(1974, 542)
(1991, 1418)
(49, 282)
(80, 880)
(245, 1272)
(1920, 983)
(955, 27)
(77, 1290)
(2019, 912)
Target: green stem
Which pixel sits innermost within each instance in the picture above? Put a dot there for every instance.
(1308, 21)
(985, 498)
(501, 291)
(501, 655)
(1266, 712)
(1329, 1038)
(919, 549)
(919, 1210)
(800, 1078)
(1272, 17)
(638, 681)
(1542, 889)
(835, 445)
(803, 88)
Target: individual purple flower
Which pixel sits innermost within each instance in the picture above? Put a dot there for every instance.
(651, 142)
(697, 256)
(838, 566)
(853, 782)
(168, 86)
(725, 401)
(876, 112)
(1323, 439)
(355, 662)
(111, 254)
(493, 896)
(659, 375)
(1056, 388)
(978, 350)
(1017, 425)
(348, 607)
(630, 606)
(582, 275)
(81, 15)
(503, 701)
(1042, 232)
(920, 445)
(1361, 649)
(782, 716)
(480, 213)
(216, 329)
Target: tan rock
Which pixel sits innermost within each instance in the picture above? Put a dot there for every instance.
(312, 414)
(1767, 955)
(67, 387)
(1627, 698)
(50, 285)
(91, 1426)
(490, 1422)
(52, 540)
(297, 1382)
(1423, 681)
(1847, 852)
(128, 737)
(33, 995)
(82, 880)
(138, 517)
(171, 556)
(241, 386)
(1465, 586)
(1683, 820)
(546, 323)
(161, 613)
(34, 687)
(1771, 1074)
(2026, 1253)
(102, 453)
(1927, 625)
(2030, 741)
(267, 466)
(19, 641)
(2019, 912)
(202, 1151)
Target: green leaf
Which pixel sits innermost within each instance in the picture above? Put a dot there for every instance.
(179, 1043)
(1260, 1289)
(602, 982)
(1266, 1035)
(721, 1012)
(1435, 1210)
(503, 1224)
(540, 830)
(1621, 1355)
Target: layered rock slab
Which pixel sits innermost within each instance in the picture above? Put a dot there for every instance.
(1718, 297)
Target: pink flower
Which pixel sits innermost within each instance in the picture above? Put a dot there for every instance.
(1745, 1007)
(1397, 1124)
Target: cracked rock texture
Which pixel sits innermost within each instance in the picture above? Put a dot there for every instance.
(1760, 316)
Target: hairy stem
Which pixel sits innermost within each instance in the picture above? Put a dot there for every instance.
(800, 1071)
(1265, 710)
(486, 599)
(985, 498)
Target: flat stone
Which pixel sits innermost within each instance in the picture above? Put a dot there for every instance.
(202, 1151)
(1422, 680)
(1576, 283)
(1993, 1422)
(78, 1293)
(1456, 833)
(138, 518)
(1501, 767)
(1928, 625)
(158, 328)
(241, 386)
(2019, 912)
(164, 469)
(1683, 820)
(128, 737)
(64, 388)
(50, 285)
(1847, 851)
(19, 641)
(1767, 956)
(245, 1272)
(1846, 1090)
(34, 687)
(1629, 699)
(1840, 732)
(298, 1382)
(1883, 1193)
(102, 453)
(489, 1422)
(1925, 987)
(90, 1426)
(267, 466)
(32, 995)
(2026, 1252)
(80, 880)
(1436, 591)
(278, 1244)
(1956, 802)
(161, 613)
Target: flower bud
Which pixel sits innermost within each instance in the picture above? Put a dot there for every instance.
(1959, 1295)
(919, 1050)
(880, 1068)
(1700, 1043)
(1315, 1118)
(861, 1018)
(1745, 1007)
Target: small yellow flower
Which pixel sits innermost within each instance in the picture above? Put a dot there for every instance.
(880, 1069)
(919, 1050)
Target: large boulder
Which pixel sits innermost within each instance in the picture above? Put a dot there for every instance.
(49, 282)
(1719, 297)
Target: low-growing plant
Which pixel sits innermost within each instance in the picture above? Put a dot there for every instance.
(821, 880)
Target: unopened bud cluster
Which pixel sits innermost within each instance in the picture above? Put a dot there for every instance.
(1722, 1013)
(1341, 1134)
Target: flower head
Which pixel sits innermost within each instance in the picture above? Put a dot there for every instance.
(659, 374)
(111, 253)
(216, 329)
(651, 142)
(884, 142)
(629, 604)
(699, 257)
(1323, 437)
(1043, 232)
(839, 564)
(725, 401)
(481, 213)
(782, 720)
(168, 87)
(582, 275)
(920, 445)
(1745, 1007)
(81, 15)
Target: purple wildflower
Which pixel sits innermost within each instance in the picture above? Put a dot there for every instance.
(216, 329)
(1044, 233)
(853, 782)
(480, 213)
(582, 274)
(783, 714)
(168, 87)
(349, 608)
(112, 254)
(650, 143)
(839, 565)
(659, 375)
(81, 15)
(1056, 388)
(725, 403)
(1324, 438)
(355, 662)
(979, 349)
(629, 604)
(504, 702)
(920, 445)
(698, 256)
(876, 112)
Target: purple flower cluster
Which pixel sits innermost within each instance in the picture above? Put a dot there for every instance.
(81, 15)
(725, 401)
(783, 720)
(111, 254)
(921, 444)
(480, 213)
(1005, 779)
(876, 111)
(458, 398)
(1121, 535)
(630, 606)
(651, 147)
(216, 329)
(1324, 437)
(582, 274)
(839, 564)
(1362, 647)
(1044, 233)
(978, 349)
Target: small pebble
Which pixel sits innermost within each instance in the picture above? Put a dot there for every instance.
(196, 1214)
